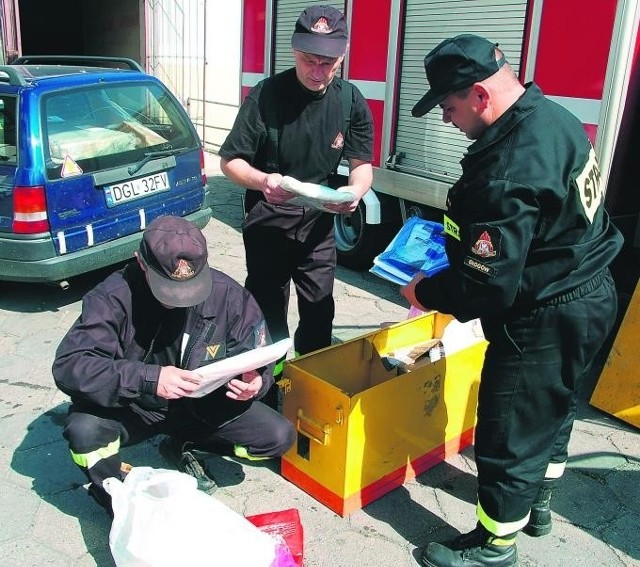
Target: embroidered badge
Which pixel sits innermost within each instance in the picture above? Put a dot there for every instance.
(338, 143)
(483, 246)
(321, 26)
(212, 350)
(183, 271)
(485, 241)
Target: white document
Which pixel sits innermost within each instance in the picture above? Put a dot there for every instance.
(314, 195)
(220, 372)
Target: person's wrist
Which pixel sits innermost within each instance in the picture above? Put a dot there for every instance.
(151, 380)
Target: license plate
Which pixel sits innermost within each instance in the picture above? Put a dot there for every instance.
(136, 188)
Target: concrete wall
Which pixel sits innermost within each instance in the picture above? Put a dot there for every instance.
(194, 48)
(223, 74)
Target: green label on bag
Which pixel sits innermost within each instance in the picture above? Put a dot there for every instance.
(451, 228)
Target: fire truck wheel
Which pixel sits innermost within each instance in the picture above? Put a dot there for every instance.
(357, 242)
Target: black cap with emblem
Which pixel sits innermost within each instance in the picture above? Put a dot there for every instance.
(321, 30)
(455, 64)
(174, 252)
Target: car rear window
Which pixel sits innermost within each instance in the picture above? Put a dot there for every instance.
(7, 130)
(88, 130)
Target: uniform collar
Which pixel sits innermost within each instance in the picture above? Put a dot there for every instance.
(524, 106)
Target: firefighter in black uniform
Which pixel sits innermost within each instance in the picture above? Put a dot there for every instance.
(299, 123)
(128, 363)
(529, 244)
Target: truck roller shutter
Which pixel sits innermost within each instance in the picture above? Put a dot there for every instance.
(286, 15)
(426, 146)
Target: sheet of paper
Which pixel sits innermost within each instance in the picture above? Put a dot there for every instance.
(220, 372)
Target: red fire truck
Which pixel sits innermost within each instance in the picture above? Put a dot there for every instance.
(583, 54)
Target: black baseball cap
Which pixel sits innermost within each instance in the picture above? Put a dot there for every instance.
(455, 64)
(321, 30)
(174, 251)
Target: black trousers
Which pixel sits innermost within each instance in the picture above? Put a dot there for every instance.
(96, 434)
(273, 261)
(527, 397)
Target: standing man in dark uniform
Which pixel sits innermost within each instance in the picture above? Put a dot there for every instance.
(299, 123)
(529, 244)
(129, 363)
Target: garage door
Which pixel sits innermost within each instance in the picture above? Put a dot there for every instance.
(426, 146)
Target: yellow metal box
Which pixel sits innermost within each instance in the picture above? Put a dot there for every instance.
(364, 429)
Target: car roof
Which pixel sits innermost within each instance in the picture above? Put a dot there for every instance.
(29, 67)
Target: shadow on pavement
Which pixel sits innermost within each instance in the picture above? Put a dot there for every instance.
(21, 297)
(412, 520)
(595, 499)
(592, 496)
(42, 456)
(591, 499)
(226, 201)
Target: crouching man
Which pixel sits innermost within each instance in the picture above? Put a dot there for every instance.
(130, 362)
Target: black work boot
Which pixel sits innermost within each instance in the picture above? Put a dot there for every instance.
(540, 519)
(477, 548)
(181, 455)
(101, 496)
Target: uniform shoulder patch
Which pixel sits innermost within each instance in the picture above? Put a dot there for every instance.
(590, 186)
(260, 335)
(485, 241)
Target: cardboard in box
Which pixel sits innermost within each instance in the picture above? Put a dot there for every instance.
(365, 427)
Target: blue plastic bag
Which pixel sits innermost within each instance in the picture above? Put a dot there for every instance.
(418, 246)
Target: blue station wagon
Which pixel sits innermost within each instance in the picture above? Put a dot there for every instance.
(90, 154)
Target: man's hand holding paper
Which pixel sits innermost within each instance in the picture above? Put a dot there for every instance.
(273, 191)
(319, 196)
(225, 371)
(245, 389)
(174, 383)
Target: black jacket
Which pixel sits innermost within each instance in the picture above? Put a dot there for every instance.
(112, 354)
(526, 221)
(311, 141)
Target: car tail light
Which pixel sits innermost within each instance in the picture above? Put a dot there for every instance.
(29, 210)
(202, 173)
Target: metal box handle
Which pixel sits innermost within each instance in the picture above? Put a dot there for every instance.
(314, 430)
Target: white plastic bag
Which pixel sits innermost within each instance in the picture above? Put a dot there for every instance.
(161, 519)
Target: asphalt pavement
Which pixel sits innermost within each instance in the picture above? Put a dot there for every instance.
(46, 517)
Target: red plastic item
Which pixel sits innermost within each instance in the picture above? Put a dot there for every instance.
(286, 524)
